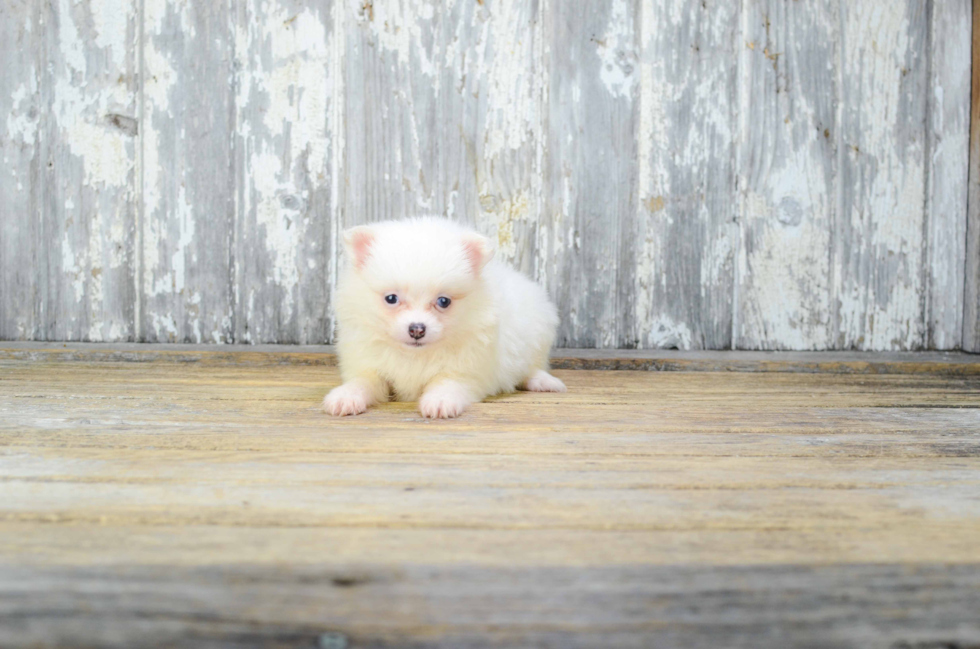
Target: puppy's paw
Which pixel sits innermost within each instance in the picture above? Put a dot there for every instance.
(444, 401)
(347, 399)
(541, 381)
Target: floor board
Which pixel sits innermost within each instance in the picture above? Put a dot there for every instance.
(161, 503)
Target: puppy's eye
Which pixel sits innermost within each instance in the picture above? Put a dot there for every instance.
(391, 298)
(443, 302)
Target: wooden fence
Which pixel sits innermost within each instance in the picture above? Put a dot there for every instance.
(761, 174)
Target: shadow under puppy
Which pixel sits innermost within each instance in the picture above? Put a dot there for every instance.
(424, 313)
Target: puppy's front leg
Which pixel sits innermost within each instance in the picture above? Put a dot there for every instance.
(355, 396)
(445, 398)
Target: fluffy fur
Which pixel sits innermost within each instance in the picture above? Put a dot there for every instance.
(494, 336)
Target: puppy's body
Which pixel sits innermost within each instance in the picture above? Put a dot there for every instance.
(494, 335)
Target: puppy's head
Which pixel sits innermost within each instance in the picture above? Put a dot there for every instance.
(420, 279)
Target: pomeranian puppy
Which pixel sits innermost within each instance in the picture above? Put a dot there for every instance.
(425, 314)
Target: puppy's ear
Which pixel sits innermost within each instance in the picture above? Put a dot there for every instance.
(357, 244)
(478, 251)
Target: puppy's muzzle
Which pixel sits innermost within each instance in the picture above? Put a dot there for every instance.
(416, 330)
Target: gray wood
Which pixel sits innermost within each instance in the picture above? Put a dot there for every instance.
(187, 225)
(788, 174)
(443, 116)
(87, 147)
(185, 505)
(686, 235)
(591, 170)
(879, 238)
(287, 141)
(20, 120)
(971, 297)
(695, 175)
(871, 606)
(947, 151)
(830, 362)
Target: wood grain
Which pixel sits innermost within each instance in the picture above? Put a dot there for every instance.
(87, 144)
(788, 174)
(187, 228)
(879, 606)
(679, 175)
(20, 184)
(686, 237)
(591, 169)
(289, 87)
(948, 160)
(214, 504)
(880, 246)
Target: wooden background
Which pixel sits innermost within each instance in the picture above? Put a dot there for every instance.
(763, 174)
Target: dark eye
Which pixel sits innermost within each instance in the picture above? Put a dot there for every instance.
(391, 298)
(444, 302)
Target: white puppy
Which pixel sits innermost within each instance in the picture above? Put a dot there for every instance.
(424, 314)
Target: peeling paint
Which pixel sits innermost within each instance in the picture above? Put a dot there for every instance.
(786, 211)
(615, 49)
(111, 23)
(948, 133)
(880, 286)
(513, 112)
(397, 28)
(21, 126)
(511, 211)
(773, 175)
(289, 130)
(685, 244)
(666, 334)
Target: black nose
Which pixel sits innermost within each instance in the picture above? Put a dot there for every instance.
(416, 330)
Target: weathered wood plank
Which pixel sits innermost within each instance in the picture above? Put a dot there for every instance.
(241, 408)
(219, 503)
(188, 469)
(934, 363)
(187, 230)
(591, 172)
(506, 73)
(148, 444)
(445, 117)
(47, 543)
(788, 174)
(686, 235)
(948, 149)
(867, 605)
(21, 51)
(879, 240)
(971, 297)
(527, 492)
(288, 142)
(394, 52)
(87, 146)
(592, 141)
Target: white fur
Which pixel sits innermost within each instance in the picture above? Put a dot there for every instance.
(541, 381)
(494, 336)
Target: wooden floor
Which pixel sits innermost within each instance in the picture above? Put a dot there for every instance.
(211, 503)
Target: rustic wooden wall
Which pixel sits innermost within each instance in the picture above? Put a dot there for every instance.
(766, 174)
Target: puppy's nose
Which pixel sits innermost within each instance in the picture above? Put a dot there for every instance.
(416, 330)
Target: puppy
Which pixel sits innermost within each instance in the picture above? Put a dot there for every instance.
(425, 314)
